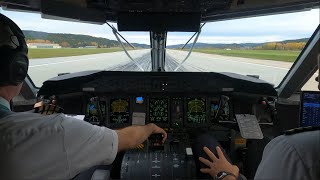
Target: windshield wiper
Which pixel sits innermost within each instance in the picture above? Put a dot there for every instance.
(117, 34)
(194, 42)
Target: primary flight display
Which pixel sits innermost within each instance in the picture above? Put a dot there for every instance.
(196, 110)
(119, 110)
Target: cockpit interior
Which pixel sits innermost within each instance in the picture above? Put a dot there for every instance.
(243, 113)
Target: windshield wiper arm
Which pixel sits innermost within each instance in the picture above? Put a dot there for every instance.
(116, 33)
(190, 51)
(192, 36)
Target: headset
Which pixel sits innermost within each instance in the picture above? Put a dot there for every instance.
(14, 60)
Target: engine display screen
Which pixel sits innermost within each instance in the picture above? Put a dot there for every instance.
(92, 109)
(92, 113)
(119, 110)
(196, 110)
(158, 110)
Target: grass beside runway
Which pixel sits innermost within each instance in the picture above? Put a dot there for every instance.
(276, 55)
(63, 52)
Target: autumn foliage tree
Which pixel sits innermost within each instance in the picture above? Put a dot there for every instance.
(65, 44)
(94, 44)
(38, 41)
(283, 46)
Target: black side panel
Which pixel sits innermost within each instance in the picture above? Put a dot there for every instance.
(288, 116)
(254, 156)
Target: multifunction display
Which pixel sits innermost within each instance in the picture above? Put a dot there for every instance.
(119, 110)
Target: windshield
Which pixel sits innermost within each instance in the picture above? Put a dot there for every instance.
(263, 47)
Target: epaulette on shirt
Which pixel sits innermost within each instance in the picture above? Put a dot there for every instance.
(301, 129)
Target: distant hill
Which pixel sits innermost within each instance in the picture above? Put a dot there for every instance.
(219, 46)
(75, 41)
(241, 45)
(296, 40)
(141, 45)
(72, 40)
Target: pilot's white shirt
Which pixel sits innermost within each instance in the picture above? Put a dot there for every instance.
(35, 146)
(292, 157)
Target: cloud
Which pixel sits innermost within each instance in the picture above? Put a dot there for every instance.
(257, 29)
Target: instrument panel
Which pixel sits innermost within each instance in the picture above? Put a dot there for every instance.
(183, 104)
(171, 112)
(175, 100)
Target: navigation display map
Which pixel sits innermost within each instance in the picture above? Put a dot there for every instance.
(196, 110)
(119, 110)
(158, 110)
(214, 107)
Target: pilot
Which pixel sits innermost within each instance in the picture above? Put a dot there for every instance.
(294, 156)
(34, 146)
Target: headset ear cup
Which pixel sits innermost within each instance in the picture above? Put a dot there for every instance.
(19, 68)
(5, 74)
(13, 67)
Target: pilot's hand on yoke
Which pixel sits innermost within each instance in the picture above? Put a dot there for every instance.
(219, 164)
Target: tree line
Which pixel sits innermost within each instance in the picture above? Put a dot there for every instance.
(282, 46)
(69, 40)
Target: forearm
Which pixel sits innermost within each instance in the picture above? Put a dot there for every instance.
(132, 136)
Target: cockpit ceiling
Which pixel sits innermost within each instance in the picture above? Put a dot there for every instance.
(100, 11)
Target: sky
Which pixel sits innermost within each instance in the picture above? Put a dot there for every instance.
(248, 30)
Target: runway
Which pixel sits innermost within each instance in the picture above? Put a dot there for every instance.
(270, 71)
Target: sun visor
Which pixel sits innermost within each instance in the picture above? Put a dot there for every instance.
(158, 22)
(70, 12)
